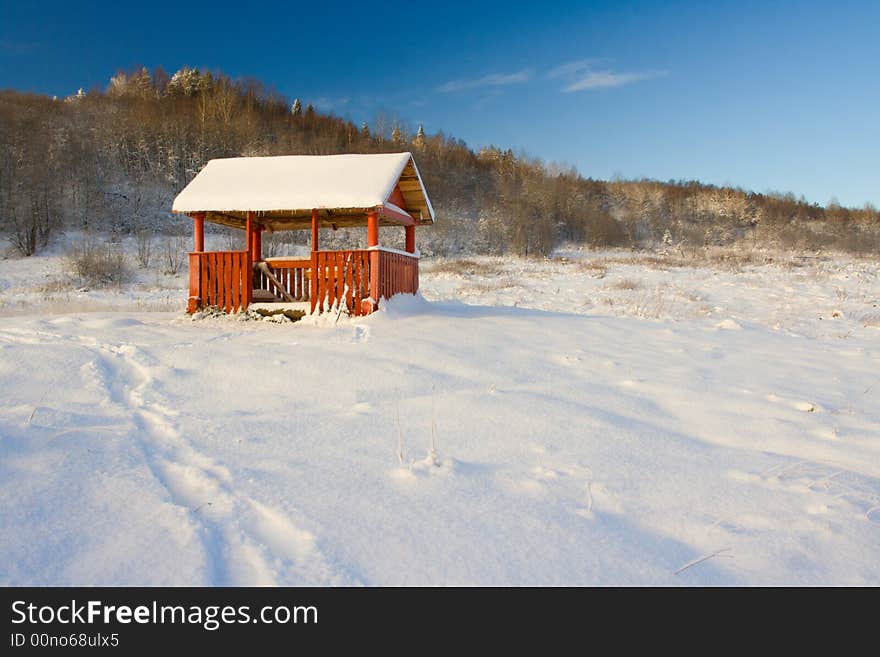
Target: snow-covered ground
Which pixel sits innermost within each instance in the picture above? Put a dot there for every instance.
(598, 418)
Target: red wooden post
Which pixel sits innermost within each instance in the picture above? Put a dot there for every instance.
(199, 231)
(410, 239)
(373, 240)
(249, 266)
(248, 281)
(314, 288)
(373, 228)
(249, 231)
(313, 274)
(314, 230)
(257, 244)
(195, 291)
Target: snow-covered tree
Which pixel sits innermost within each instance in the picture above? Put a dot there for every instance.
(138, 83)
(419, 140)
(186, 82)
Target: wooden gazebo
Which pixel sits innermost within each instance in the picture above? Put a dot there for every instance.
(297, 192)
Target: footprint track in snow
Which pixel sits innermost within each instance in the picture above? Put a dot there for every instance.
(246, 542)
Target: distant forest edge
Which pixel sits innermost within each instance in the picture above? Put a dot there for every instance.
(112, 162)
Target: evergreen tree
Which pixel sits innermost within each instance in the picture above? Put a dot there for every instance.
(419, 140)
(185, 82)
(296, 109)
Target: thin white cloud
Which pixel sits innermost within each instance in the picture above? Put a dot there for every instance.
(492, 80)
(572, 68)
(583, 76)
(607, 79)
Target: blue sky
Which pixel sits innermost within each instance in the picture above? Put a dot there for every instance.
(764, 95)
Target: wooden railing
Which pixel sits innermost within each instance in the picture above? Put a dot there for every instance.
(223, 279)
(338, 276)
(360, 278)
(291, 274)
(398, 273)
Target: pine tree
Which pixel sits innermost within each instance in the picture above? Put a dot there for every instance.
(185, 82)
(396, 135)
(296, 109)
(141, 83)
(419, 140)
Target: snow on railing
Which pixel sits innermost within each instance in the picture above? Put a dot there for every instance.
(361, 278)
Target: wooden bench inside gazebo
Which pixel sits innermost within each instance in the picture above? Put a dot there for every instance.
(301, 192)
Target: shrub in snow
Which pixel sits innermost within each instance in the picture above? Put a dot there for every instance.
(97, 265)
(174, 254)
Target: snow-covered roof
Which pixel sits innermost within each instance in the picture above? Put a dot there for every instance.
(284, 190)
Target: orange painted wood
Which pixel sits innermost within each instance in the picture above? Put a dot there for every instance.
(248, 231)
(331, 279)
(203, 279)
(374, 276)
(192, 302)
(397, 198)
(410, 239)
(221, 282)
(225, 279)
(314, 230)
(225, 282)
(258, 243)
(358, 278)
(212, 283)
(354, 298)
(246, 285)
(247, 279)
(214, 286)
(349, 281)
(236, 282)
(313, 281)
(219, 279)
(340, 276)
(227, 270)
(199, 231)
(373, 228)
(211, 290)
(401, 218)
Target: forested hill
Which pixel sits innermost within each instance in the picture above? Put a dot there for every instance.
(113, 160)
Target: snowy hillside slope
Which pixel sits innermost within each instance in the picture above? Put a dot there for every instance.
(622, 423)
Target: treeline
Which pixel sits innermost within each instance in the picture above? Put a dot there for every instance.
(113, 160)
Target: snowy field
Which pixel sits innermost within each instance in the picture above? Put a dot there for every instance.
(597, 418)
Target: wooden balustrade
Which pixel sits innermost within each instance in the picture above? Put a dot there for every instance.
(223, 279)
(339, 276)
(292, 274)
(398, 274)
(359, 278)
